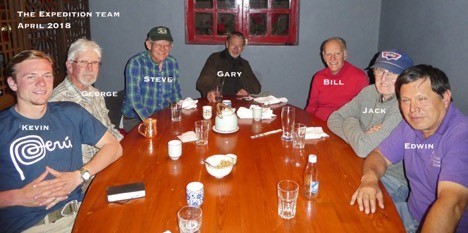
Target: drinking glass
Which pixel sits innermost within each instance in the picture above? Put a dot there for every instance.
(288, 191)
(190, 219)
(298, 135)
(201, 131)
(218, 94)
(176, 111)
(287, 122)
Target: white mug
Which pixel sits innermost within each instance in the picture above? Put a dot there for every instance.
(207, 112)
(257, 113)
(174, 149)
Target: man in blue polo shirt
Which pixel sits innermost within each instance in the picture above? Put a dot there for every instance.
(433, 142)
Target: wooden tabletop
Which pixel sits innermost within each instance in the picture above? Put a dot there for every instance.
(246, 199)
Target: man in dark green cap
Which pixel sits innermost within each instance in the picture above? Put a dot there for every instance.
(151, 79)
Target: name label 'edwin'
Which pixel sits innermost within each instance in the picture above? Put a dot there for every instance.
(35, 127)
(374, 110)
(411, 146)
(332, 82)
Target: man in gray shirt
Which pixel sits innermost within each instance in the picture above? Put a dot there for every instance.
(371, 116)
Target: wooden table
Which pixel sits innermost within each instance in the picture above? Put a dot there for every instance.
(245, 200)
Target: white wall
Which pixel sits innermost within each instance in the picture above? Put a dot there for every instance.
(283, 70)
(433, 32)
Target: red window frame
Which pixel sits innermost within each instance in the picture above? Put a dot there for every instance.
(242, 12)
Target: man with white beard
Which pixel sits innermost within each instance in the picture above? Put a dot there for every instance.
(83, 63)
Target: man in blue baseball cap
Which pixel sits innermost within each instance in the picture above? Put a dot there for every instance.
(371, 116)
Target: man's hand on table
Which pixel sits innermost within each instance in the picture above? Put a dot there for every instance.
(368, 195)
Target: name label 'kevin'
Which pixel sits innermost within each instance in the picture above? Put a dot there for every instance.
(35, 127)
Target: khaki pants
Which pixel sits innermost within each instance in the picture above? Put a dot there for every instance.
(62, 225)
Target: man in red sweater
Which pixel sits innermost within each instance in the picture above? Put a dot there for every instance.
(337, 84)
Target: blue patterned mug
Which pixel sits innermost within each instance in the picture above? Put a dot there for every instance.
(194, 193)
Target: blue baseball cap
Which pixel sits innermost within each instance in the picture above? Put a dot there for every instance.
(393, 60)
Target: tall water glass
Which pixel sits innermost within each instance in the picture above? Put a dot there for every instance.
(218, 94)
(201, 131)
(190, 219)
(287, 121)
(288, 192)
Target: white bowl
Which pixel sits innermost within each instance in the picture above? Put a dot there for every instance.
(216, 170)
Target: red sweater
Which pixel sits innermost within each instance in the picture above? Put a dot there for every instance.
(330, 92)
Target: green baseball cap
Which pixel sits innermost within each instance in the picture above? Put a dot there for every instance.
(160, 33)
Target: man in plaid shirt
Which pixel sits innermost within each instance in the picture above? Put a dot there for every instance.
(151, 79)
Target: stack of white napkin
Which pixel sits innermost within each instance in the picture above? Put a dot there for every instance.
(315, 133)
(188, 103)
(246, 113)
(188, 136)
(269, 100)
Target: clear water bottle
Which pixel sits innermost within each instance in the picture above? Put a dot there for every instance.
(311, 182)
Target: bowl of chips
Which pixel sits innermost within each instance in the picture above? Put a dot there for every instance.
(219, 166)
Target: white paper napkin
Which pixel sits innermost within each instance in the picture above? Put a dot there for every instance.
(246, 113)
(188, 103)
(269, 100)
(188, 136)
(315, 133)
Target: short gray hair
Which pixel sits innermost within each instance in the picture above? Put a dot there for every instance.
(82, 45)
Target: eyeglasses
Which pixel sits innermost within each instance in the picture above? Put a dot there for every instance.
(381, 73)
(159, 46)
(84, 64)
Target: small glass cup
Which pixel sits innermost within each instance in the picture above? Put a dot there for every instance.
(288, 191)
(190, 219)
(298, 135)
(176, 111)
(201, 131)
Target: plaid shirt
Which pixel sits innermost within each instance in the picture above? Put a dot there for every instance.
(148, 89)
(93, 103)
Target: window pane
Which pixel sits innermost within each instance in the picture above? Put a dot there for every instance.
(258, 4)
(226, 4)
(280, 4)
(203, 3)
(203, 24)
(280, 24)
(225, 24)
(257, 25)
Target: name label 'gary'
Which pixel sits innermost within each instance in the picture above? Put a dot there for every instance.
(228, 74)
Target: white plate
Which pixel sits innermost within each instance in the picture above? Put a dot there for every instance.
(225, 132)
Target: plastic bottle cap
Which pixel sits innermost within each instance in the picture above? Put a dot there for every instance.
(312, 158)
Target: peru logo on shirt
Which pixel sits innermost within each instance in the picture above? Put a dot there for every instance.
(30, 149)
(391, 55)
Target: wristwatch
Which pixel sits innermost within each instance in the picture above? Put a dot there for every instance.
(85, 175)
